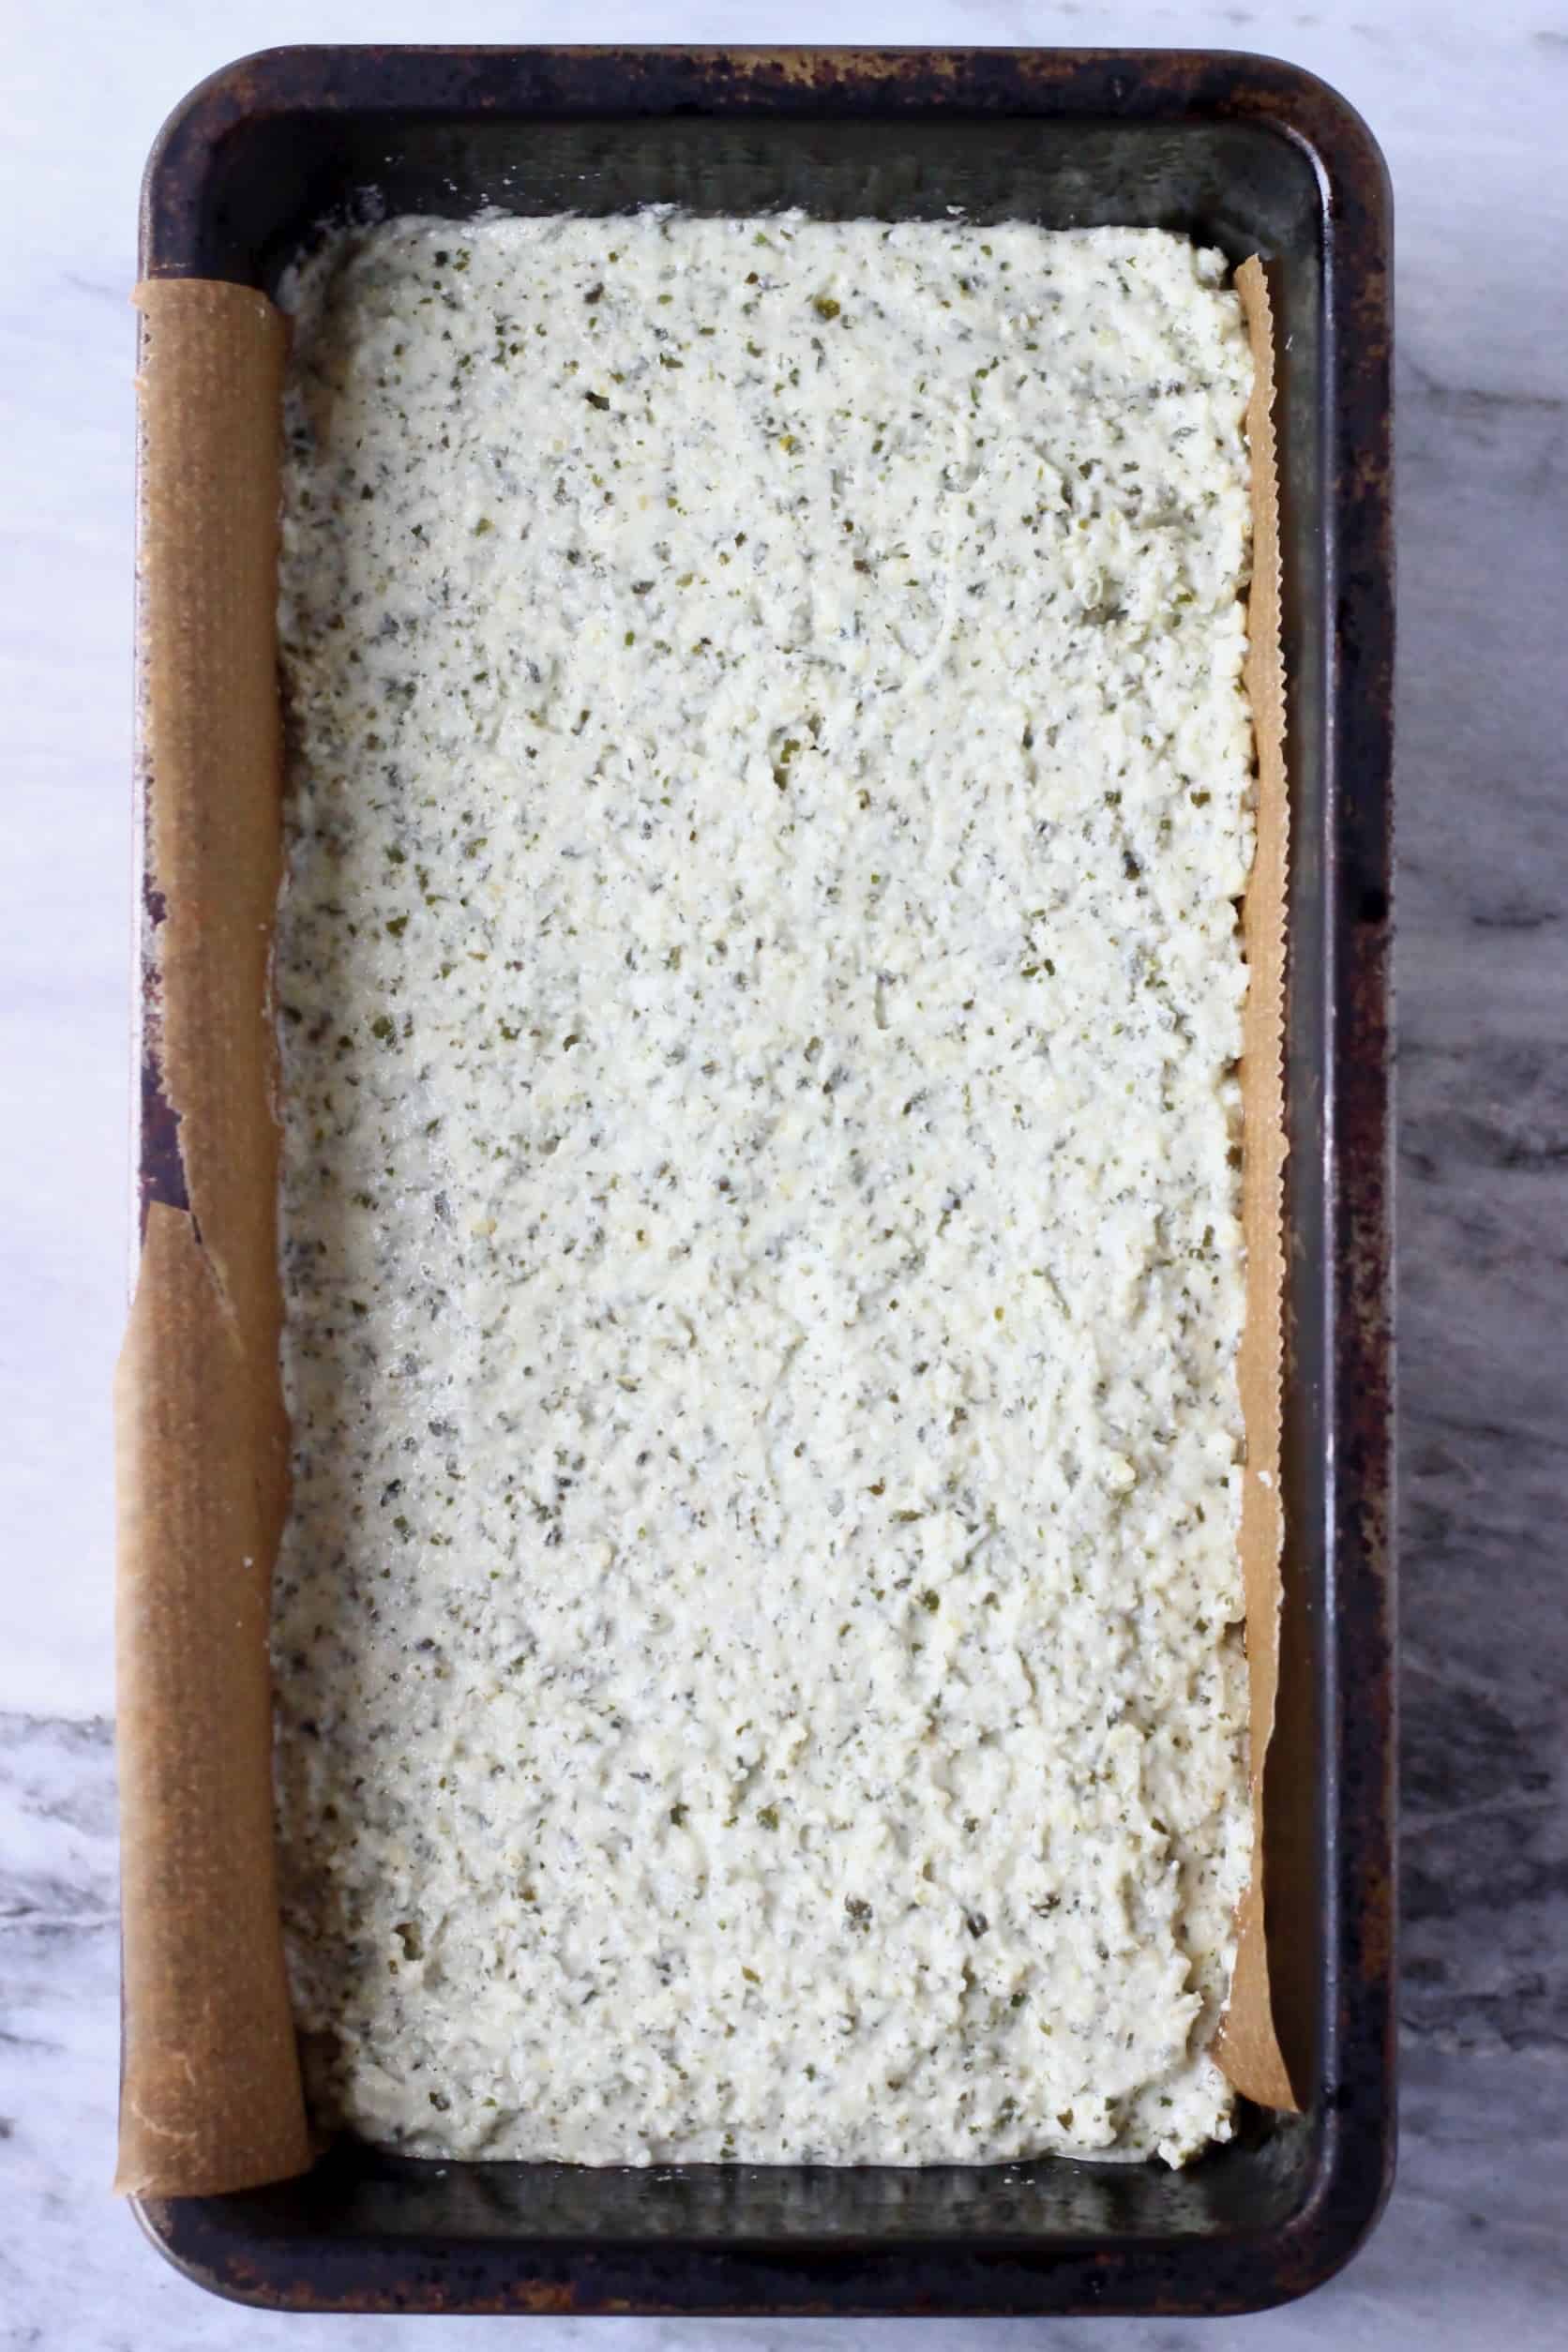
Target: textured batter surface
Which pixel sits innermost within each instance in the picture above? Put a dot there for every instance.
(755, 1637)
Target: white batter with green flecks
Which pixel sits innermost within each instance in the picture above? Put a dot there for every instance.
(759, 982)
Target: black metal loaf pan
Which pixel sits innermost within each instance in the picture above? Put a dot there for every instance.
(1252, 156)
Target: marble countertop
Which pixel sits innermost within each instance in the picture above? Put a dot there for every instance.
(1473, 2252)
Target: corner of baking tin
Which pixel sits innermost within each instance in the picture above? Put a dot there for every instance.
(167, 2224)
(181, 154)
(1342, 132)
(1346, 2195)
(1351, 164)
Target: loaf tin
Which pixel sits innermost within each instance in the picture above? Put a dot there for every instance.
(1253, 156)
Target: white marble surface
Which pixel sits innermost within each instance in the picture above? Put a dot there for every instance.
(1470, 108)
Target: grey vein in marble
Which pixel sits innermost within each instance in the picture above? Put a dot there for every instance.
(1482, 971)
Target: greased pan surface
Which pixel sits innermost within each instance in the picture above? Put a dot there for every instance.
(1253, 156)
